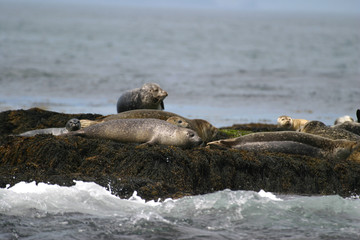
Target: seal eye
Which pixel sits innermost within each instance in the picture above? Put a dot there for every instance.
(179, 121)
(191, 134)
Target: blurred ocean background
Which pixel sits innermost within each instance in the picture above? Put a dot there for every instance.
(225, 61)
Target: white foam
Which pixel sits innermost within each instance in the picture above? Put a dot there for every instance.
(269, 195)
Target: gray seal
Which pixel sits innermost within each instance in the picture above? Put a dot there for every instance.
(289, 142)
(145, 131)
(320, 129)
(149, 96)
(204, 129)
(71, 125)
(353, 127)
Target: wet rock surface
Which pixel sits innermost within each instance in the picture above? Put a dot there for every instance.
(161, 171)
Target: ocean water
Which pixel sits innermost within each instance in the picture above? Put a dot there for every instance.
(226, 67)
(88, 211)
(223, 66)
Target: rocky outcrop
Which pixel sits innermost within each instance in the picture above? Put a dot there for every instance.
(160, 171)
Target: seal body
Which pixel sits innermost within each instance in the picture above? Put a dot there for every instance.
(289, 142)
(71, 125)
(148, 131)
(290, 123)
(204, 129)
(353, 127)
(149, 96)
(320, 129)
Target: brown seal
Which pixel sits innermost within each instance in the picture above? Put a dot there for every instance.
(204, 129)
(146, 131)
(289, 123)
(289, 142)
(320, 129)
(149, 96)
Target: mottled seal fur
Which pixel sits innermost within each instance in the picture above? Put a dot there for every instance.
(149, 131)
(71, 125)
(289, 142)
(320, 129)
(149, 96)
(289, 123)
(205, 129)
(353, 127)
(343, 119)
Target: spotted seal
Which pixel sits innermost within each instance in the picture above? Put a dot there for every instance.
(290, 123)
(353, 127)
(71, 125)
(146, 131)
(320, 129)
(289, 142)
(149, 96)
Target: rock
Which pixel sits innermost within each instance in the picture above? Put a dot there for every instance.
(159, 171)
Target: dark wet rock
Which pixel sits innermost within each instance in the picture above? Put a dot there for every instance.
(159, 171)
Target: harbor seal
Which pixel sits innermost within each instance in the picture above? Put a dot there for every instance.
(353, 127)
(290, 123)
(145, 131)
(71, 125)
(320, 129)
(289, 142)
(343, 119)
(138, 113)
(204, 129)
(149, 96)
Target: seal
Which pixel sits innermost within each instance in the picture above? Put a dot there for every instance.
(138, 113)
(353, 127)
(343, 119)
(290, 123)
(320, 129)
(289, 142)
(358, 115)
(145, 131)
(204, 129)
(149, 96)
(71, 125)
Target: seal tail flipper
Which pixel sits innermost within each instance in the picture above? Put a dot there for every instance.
(221, 144)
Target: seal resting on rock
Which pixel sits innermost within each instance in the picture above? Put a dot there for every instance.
(149, 96)
(204, 129)
(353, 127)
(145, 131)
(320, 129)
(71, 125)
(343, 119)
(289, 142)
(290, 123)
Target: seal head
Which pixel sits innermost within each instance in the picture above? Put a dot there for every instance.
(73, 124)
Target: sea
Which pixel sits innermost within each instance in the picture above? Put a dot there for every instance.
(225, 66)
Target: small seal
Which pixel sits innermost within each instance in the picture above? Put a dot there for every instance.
(204, 129)
(290, 123)
(146, 131)
(289, 142)
(71, 125)
(320, 129)
(149, 96)
(343, 119)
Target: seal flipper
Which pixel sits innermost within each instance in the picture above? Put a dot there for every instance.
(358, 115)
(163, 106)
